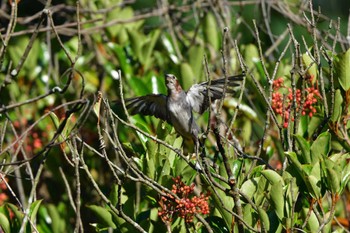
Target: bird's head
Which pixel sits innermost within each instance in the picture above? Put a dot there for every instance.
(172, 83)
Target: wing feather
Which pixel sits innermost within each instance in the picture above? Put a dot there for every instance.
(197, 95)
(151, 105)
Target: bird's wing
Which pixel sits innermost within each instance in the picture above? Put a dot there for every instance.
(197, 95)
(153, 105)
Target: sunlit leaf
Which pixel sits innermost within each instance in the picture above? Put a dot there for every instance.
(320, 147)
(342, 64)
(5, 223)
(102, 216)
(312, 70)
(304, 147)
(337, 110)
(187, 76)
(273, 177)
(211, 31)
(34, 207)
(277, 199)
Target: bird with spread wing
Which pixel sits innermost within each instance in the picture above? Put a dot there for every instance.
(178, 105)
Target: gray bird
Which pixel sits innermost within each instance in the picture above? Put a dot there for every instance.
(176, 107)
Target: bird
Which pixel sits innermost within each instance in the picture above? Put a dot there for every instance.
(178, 105)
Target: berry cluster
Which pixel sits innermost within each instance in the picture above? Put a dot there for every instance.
(3, 187)
(35, 138)
(282, 104)
(184, 206)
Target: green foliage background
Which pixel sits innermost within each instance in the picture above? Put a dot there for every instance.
(71, 165)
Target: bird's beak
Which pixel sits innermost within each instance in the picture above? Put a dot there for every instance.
(168, 77)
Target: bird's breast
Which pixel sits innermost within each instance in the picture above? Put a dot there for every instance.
(180, 114)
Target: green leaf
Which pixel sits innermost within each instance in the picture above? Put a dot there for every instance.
(250, 186)
(97, 108)
(316, 171)
(172, 155)
(70, 125)
(34, 207)
(54, 119)
(304, 147)
(345, 178)
(168, 45)
(293, 158)
(136, 41)
(312, 71)
(103, 216)
(337, 110)
(236, 168)
(58, 225)
(277, 199)
(251, 56)
(313, 124)
(342, 65)
(313, 185)
(196, 57)
(125, 66)
(321, 147)
(273, 177)
(217, 224)
(211, 34)
(16, 49)
(187, 75)
(118, 13)
(264, 218)
(147, 49)
(113, 196)
(165, 169)
(248, 213)
(138, 86)
(149, 164)
(333, 180)
(312, 223)
(5, 223)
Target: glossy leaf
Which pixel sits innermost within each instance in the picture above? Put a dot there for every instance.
(217, 224)
(277, 199)
(345, 178)
(236, 168)
(187, 76)
(342, 64)
(333, 180)
(196, 58)
(124, 61)
(264, 218)
(5, 223)
(136, 42)
(103, 216)
(312, 224)
(337, 110)
(249, 187)
(320, 147)
(168, 45)
(312, 71)
(272, 176)
(313, 185)
(305, 148)
(147, 49)
(57, 223)
(211, 31)
(34, 207)
(18, 214)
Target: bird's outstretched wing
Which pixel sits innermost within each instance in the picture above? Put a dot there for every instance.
(153, 105)
(197, 95)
